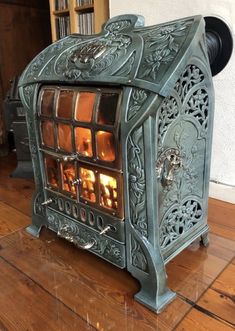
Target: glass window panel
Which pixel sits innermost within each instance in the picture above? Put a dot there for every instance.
(108, 191)
(83, 140)
(87, 178)
(47, 130)
(105, 146)
(65, 137)
(84, 106)
(68, 177)
(47, 102)
(65, 104)
(52, 171)
(107, 108)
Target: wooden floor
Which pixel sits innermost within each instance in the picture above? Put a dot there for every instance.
(47, 284)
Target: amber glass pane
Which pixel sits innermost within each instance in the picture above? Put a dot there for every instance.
(108, 191)
(52, 171)
(65, 137)
(65, 104)
(83, 140)
(47, 129)
(87, 178)
(68, 176)
(105, 146)
(84, 106)
(107, 108)
(47, 103)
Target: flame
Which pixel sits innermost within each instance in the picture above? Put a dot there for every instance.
(69, 177)
(105, 146)
(108, 188)
(84, 141)
(87, 184)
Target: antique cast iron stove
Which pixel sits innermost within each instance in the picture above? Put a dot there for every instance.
(120, 128)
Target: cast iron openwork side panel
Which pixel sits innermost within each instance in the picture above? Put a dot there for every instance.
(137, 255)
(198, 106)
(161, 47)
(137, 184)
(103, 245)
(137, 99)
(186, 176)
(189, 107)
(190, 77)
(169, 111)
(172, 107)
(178, 220)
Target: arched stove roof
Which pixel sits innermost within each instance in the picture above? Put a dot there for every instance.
(124, 53)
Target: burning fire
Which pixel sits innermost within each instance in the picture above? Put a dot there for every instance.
(105, 146)
(84, 141)
(87, 184)
(69, 177)
(108, 188)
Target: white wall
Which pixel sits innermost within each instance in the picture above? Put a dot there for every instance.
(157, 11)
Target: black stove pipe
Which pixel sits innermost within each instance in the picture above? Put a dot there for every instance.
(219, 43)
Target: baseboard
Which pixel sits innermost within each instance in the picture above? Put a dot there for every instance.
(222, 192)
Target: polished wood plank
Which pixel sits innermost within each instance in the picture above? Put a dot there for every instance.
(26, 306)
(193, 270)
(88, 285)
(11, 220)
(197, 321)
(220, 297)
(221, 218)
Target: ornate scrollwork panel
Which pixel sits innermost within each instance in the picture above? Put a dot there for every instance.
(161, 47)
(103, 246)
(168, 112)
(137, 182)
(137, 99)
(191, 76)
(182, 124)
(178, 220)
(138, 257)
(198, 107)
(39, 209)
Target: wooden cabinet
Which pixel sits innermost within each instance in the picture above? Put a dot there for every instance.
(77, 16)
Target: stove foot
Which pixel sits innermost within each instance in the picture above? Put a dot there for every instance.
(155, 302)
(34, 230)
(204, 239)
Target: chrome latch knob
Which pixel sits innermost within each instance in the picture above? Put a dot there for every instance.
(47, 202)
(106, 229)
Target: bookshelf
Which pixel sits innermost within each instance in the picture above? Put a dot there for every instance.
(77, 16)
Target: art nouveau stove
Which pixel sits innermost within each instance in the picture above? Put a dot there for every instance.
(120, 128)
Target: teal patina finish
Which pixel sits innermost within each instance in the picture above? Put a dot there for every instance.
(164, 129)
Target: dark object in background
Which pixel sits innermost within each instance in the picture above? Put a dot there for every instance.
(16, 128)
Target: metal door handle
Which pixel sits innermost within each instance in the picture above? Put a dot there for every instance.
(63, 232)
(174, 162)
